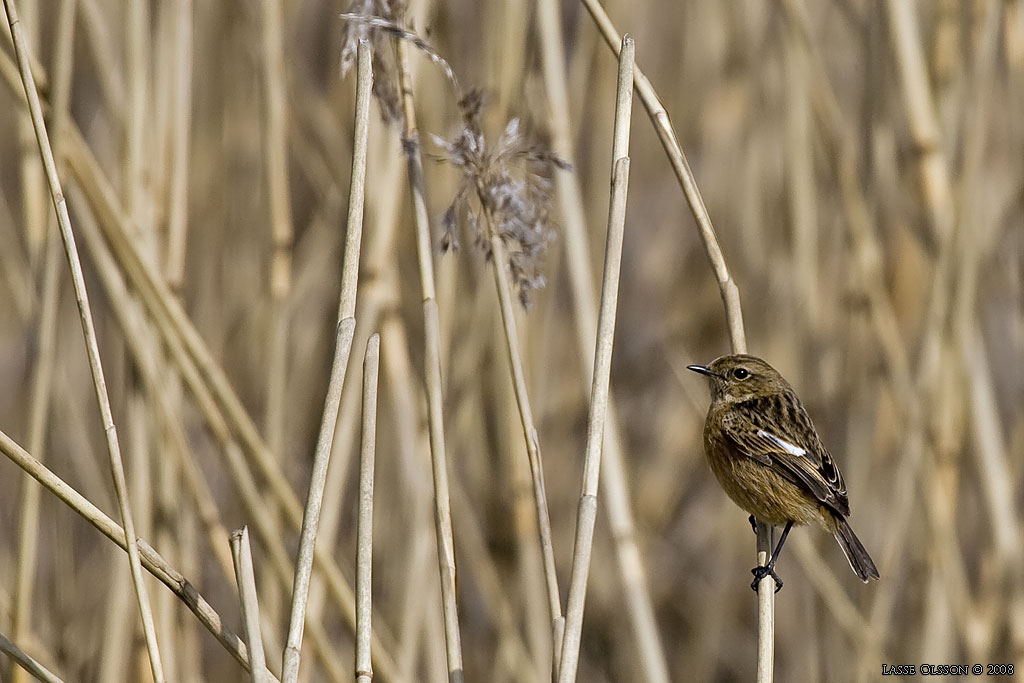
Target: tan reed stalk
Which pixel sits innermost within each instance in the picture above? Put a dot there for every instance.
(172, 105)
(666, 134)
(380, 289)
(343, 347)
(39, 412)
(251, 496)
(220, 405)
(834, 597)
(150, 558)
(866, 257)
(501, 281)
(34, 213)
(265, 524)
(138, 162)
(180, 127)
(254, 500)
(987, 428)
(136, 158)
(435, 414)
(497, 603)
(802, 190)
(241, 553)
(42, 371)
(175, 327)
(730, 300)
(581, 278)
(413, 436)
(89, 332)
(587, 512)
(364, 524)
(914, 387)
(275, 162)
(921, 114)
(27, 663)
(104, 55)
(147, 364)
(513, 21)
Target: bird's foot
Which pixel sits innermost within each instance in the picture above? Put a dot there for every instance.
(760, 572)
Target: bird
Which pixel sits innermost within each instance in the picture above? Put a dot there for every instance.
(765, 452)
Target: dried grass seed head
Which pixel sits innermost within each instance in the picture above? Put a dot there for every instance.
(507, 188)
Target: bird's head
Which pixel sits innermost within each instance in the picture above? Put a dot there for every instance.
(741, 377)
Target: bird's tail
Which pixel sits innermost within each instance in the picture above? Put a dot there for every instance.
(859, 559)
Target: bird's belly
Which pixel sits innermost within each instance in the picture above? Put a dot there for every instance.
(764, 493)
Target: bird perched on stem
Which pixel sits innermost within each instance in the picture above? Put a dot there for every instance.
(767, 456)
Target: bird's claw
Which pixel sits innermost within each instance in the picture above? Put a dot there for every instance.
(760, 572)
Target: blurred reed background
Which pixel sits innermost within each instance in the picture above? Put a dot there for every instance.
(863, 163)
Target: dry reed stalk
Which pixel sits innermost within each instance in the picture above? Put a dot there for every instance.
(275, 161)
(136, 158)
(176, 329)
(146, 362)
(497, 192)
(220, 406)
(42, 383)
(34, 213)
(42, 371)
(833, 595)
(150, 558)
(180, 127)
(986, 427)
(243, 479)
(27, 663)
(89, 332)
(802, 185)
(439, 463)
(914, 388)
(587, 512)
(364, 526)
(504, 289)
(974, 235)
(420, 584)
(262, 518)
(139, 162)
(377, 291)
(174, 325)
(666, 134)
(922, 115)
(867, 257)
(730, 300)
(513, 21)
(515, 655)
(241, 553)
(103, 54)
(173, 104)
(265, 524)
(343, 347)
(614, 483)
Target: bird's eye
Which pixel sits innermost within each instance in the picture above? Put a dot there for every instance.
(740, 373)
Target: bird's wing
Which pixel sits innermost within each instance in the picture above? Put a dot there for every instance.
(790, 442)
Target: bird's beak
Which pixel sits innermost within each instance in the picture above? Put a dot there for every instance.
(702, 369)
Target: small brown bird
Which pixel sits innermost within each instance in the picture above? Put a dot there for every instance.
(767, 456)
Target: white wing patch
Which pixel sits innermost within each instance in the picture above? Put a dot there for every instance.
(792, 449)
